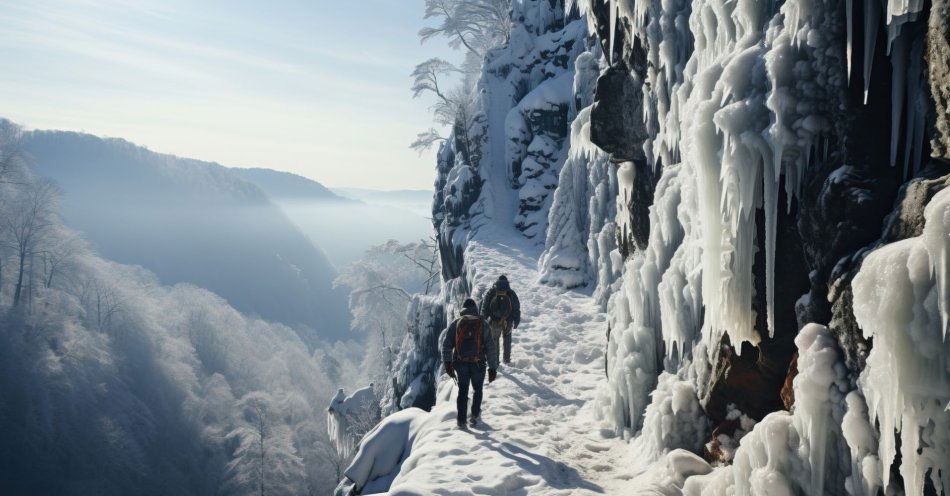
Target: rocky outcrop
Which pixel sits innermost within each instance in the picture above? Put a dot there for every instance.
(938, 62)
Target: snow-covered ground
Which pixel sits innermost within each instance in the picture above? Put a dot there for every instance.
(538, 433)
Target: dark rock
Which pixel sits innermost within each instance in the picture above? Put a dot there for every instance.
(938, 60)
(712, 451)
(788, 392)
(904, 221)
(634, 232)
(616, 119)
(738, 380)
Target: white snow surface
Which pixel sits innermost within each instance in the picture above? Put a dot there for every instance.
(539, 433)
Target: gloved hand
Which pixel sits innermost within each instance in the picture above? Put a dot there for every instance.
(492, 375)
(449, 369)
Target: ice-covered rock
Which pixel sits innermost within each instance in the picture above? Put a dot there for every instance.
(901, 299)
(349, 417)
(382, 452)
(416, 368)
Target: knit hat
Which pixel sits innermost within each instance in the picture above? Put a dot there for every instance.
(470, 303)
(502, 277)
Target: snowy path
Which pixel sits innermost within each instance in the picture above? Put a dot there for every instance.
(538, 434)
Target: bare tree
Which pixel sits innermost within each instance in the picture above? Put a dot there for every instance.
(426, 139)
(425, 256)
(11, 153)
(451, 107)
(336, 460)
(425, 77)
(478, 25)
(101, 303)
(58, 254)
(265, 457)
(28, 218)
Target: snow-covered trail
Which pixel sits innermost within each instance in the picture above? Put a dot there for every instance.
(538, 434)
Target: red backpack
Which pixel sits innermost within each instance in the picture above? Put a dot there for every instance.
(468, 339)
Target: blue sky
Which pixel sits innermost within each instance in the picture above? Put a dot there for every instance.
(317, 88)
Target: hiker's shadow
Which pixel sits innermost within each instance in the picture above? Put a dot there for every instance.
(543, 392)
(557, 474)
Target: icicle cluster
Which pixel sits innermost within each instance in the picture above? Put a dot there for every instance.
(580, 241)
(791, 453)
(901, 300)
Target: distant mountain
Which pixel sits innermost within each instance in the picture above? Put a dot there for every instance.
(345, 222)
(194, 222)
(416, 200)
(286, 186)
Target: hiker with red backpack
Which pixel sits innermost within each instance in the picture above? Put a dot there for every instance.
(467, 348)
(501, 307)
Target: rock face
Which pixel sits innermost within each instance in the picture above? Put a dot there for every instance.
(938, 65)
(753, 154)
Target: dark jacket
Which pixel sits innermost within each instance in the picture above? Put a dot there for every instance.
(515, 303)
(489, 351)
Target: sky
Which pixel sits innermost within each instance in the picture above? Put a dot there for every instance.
(313, 87)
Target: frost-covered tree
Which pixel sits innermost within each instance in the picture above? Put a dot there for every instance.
(115, 384)
(381, 285)
(478, 25)
(426, 139)
(266, 460)
(11, 152)
(28, 217)
(59, 252)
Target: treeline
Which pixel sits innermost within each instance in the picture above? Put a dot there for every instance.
(114, 384)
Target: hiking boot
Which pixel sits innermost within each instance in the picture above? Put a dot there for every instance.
(461, 425)
(473, 422)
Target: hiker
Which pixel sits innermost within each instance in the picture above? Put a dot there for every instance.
(466, 349)
(501, 307)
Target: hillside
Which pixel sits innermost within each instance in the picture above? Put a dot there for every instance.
(285, 186)
(192, 222)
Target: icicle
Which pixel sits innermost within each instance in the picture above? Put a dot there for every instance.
(770, 184)
(872, 16)
(613, 27)
(898, 87)
(914, 133)
(849, 8)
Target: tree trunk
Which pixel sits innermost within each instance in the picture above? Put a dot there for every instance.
(29, 293)
(261, 434)
(19, 281)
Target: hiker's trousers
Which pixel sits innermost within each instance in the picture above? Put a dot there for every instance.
(469, 374)
(501, 330)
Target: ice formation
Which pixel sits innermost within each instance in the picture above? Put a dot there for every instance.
(900, 300)
(580, 236)
(792, 453)
(347, 416)
(746, 107)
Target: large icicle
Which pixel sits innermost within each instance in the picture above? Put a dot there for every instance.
(872, 19)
